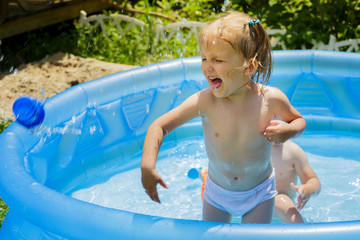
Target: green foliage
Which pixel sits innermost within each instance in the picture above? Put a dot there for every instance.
(4, 123)
(3, 211)
(3, 207)
(137, 47)
(305, 20)
(37, 44)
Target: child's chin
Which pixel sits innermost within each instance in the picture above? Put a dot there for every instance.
(217, 92)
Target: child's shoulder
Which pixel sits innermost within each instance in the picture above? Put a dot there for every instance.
(205, 95)
(295, 151)
(273, 93)
(201, 99)
(270, 91)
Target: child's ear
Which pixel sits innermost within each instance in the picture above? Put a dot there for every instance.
(253, 65)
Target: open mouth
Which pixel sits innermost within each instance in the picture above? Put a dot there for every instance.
(215, 83)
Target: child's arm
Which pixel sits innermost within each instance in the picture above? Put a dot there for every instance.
(310, 188)
(293, 123)
(310, 183)
(154, 137)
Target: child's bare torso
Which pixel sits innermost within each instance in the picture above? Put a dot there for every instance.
(284, 176)
(285, 169)
(239, 155)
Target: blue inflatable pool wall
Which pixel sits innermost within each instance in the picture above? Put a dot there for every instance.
(95, 125)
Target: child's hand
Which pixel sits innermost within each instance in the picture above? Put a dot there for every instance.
(303, 197)
(277, 131)
(150, 178)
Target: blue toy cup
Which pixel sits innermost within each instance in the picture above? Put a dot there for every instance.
(28, 111)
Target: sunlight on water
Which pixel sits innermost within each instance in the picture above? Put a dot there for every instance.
(338, 201)
(182, 200)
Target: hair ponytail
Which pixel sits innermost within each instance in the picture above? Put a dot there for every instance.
(261, 53)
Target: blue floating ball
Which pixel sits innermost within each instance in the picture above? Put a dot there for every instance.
(193, 173)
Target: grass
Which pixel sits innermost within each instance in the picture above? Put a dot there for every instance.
(3, 207)
(3, 210)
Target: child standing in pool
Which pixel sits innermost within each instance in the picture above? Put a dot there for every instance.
(237, 112)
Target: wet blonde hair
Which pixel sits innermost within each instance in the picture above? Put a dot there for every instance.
(249, 41)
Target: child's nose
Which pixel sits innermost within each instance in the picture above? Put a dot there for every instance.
(207, 67)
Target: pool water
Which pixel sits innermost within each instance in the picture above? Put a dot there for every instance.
(334, 156)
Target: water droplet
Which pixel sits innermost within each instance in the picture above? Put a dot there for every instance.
(73, 119)
(92, 129)
(42, 90)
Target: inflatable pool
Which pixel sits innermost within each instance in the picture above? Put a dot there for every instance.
(92, 126)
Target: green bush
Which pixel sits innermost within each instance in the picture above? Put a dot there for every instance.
(137, 46)
(303, 21)
(37, 44)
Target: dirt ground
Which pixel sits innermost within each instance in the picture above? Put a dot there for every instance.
(50, 76)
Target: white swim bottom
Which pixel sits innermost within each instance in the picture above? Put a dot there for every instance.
(237, 203)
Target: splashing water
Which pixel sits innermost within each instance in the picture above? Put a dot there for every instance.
(42, 90)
